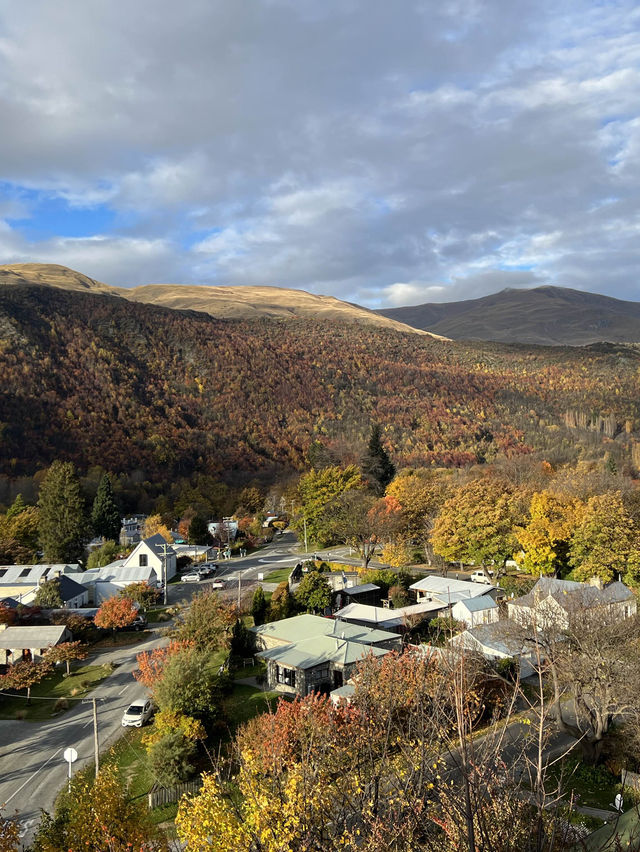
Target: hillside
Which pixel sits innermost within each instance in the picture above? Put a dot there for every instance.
(544, 315)
(136, 387)
(223, 302)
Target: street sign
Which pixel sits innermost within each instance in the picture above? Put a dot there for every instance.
(70, 755)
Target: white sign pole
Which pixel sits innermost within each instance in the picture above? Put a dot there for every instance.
(70, 755)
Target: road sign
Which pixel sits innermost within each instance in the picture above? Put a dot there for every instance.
(70, 755)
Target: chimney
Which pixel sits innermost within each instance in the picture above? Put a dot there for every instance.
(596, 582)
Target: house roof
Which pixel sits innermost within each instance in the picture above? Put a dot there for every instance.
(449, 590)
(312, 652)
(361, 589)
(115, 572)
(478, 604)
(384, 616)
(568, 591)
(13, 638)
(493, 637)
(347, 691)
(69, 588)
(30, 574)
(301, 627)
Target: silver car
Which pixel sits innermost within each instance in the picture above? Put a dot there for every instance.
(137, 713)
(192, 577)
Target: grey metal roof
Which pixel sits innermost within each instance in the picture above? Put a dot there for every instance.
(448, 590)
(31, 637)
(479, 604)
(568, 591)
(30, 574)
(358, 590)
(301, 627)
(309, 653)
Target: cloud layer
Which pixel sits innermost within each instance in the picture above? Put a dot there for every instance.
(385, 153)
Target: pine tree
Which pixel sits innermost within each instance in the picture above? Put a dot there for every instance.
(105, 517)
(63, 523)
(259, 606)
(377, 467)
(199, 531)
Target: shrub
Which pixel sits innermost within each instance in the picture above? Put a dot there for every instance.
(60, 705)
(171, 757)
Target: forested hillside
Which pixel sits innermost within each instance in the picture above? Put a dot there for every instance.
(101, 381)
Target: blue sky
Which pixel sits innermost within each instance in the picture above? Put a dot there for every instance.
(384, 153)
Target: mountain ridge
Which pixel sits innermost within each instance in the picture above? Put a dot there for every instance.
(545, 315)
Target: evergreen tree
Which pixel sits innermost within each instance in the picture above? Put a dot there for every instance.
(105, 516)
(198, 531)
(281, 605)
(377, 467)
(63, 523)
(258, 606)
(48, 595)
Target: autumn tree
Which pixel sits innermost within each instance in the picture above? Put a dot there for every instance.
(65, 652)
(362, 521)
(207, 622)
(281, 604)
(63, 524)
(544, 538)
(103, 555)
(105, 515)
(605, 542)
(154, 525)
(250, 502)
(114, 613)
(140, 593)
(377, 467)
(316, 490)
(9, 834)
(48, 594)
(98, 816)
(314, 592)
(475, 525)
(25, 674)
(420, 494)
(151, 663)
(19, 533)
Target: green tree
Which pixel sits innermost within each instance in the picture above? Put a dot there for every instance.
(105, 515)
(63, 523)
(314, 592)
(198, 531)
(281, 604)
(19, 533)
(377, 467)
(605, 542)
(188, 685)
(141, 593)
(16, 507)
(316, 490)
(48, 595)
(207, 623)
(103, 555)
(171, 757)
(250, 502)
(259, 606)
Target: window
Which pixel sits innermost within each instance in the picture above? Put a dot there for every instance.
(286, 676)
(143, 560)
(3, 571)
(25, 572)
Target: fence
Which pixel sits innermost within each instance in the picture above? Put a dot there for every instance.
(165, 795)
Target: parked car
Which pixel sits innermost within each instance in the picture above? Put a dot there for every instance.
(217, 584)
(482, 576)
(137, 713)
(192, 577)
(208, 569)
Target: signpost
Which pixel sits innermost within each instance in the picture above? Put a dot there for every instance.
(70, 755)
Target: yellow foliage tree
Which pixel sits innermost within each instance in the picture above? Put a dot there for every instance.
(169, 722)
(545, 537)
(154, 525)
(397, 554)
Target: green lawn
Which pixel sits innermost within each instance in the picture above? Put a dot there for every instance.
(593, 787)
(44, 694)
(121, 639)
(245, 702)
(254, 670)
(278, 576)
(157, 614)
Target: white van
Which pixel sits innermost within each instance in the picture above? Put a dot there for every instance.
(482, 576)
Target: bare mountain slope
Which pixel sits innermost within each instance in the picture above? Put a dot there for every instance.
(221, 302)
(544, 315)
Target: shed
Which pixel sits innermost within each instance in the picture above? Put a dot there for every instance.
(19, 643)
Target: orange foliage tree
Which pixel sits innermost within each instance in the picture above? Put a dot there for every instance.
(115, 612)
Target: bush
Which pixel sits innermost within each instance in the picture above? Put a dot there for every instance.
(60, 705)
(171, 757)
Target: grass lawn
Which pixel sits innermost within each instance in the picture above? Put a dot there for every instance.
(278, 576)
(122, 638)
(44, 694)
(245, 702)
(593, 787)
(157, 614)
(254, 670)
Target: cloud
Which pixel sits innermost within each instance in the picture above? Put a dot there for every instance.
(382, 153)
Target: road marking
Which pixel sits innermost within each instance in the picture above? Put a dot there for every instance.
(31, 777)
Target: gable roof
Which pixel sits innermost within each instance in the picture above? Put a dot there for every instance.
(13, 638)
(494, 637)
(450, 591)
(69, 588)
(30, 574)
(384, 616)
(309, 653)
(302, 627)
(478, 604)
(568, 591)
(156, 543)
(361, 589)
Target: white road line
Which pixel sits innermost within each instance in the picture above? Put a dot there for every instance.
(31, 777)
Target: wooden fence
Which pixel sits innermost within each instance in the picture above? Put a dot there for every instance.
(165, 795)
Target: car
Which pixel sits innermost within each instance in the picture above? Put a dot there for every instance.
(217, 584)
(208, 569)
(137, 713)
(192, 577)
(138, 623)
(482, 576)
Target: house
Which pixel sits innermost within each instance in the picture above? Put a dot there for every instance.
(153, 552)
(195, 552)
(225, 530)
(30, 643)
(21, 582)
(132, 530)
(309, 653)
(72, 593)
(342, 695)
(341, 580)
(395, 620)
(552, 601)
(474, 611)
(497, 641)
(103, 583)
(365, 593)
(449, 591)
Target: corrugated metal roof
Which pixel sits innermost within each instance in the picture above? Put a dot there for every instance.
(309, 653)
(449, 590)
(478, 604)
(301, 627)
(31, 637)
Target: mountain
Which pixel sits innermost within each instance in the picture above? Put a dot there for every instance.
(544, 315)
(225, 302)
(162, 394)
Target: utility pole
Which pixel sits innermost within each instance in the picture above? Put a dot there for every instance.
(96, 743)
(304, 522)
(164, 572)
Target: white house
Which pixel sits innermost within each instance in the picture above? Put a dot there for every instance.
(497, 642)
(153, 552)
(551, 602)
(106, 582)
(449, 591)
(474, 611)
(30, 643)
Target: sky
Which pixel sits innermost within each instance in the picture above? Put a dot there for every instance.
(386, 153)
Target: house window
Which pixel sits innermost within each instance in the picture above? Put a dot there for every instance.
(143, 560)
(286, 676)
(25, 572)
(3, 571)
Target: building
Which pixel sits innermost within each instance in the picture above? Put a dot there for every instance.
(21, 582)
(106, 582)
(552, 602)
(395, 620)
(30, 643)
(474, 611)
(448, 591)
(497, 641)
(132, 530)
(155, 553)
(365, 593)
